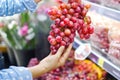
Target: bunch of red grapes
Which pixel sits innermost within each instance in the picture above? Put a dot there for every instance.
(68, 18)
(72, 72)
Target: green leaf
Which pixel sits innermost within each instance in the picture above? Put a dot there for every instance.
(24, 18)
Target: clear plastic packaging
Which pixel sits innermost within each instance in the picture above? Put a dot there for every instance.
(100, 38)
(114, 38)
(111, 3)
(95, 1)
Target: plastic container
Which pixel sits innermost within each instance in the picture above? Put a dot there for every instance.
(96, 1)
(111, 3)
(114, 38)
(100, 38)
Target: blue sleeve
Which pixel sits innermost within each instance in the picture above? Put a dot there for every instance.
(15, 73)
(10, 7)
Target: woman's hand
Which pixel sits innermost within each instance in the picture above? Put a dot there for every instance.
(54, 61)
(51, 62)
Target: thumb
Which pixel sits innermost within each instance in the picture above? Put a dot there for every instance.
(67, 52)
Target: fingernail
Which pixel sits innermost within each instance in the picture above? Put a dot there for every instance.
(63, 46)
(71, 44)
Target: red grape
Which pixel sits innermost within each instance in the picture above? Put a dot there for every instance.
(62, 24)
(91, 29)
(72, 36)
(58, 39)
(49, 12)
(53, 42)
(62, 17)
(81, 36)
(56, 30)
(74, 19)
(72, 30)
(68, 16)
(57, 21)
(87, 19)
(74, 5)
(65, 11)
(85, 31)
(67, 32)
(53, 17)
(70, 24)
(76, 25)
(59, 1)
(63, 6)
(78, 9)
(54, 51)
(66, 20)
(84, 12)
(68, 6)
(62, 34)
(76, 15)
(87, 6)
(49, 37)
(71, 11)
(52, 33)
(71, 1)
(66, 39)
(52, 47)
(80, 21)
(53, 26)
(87, 36)
(58, 13)
(63, 43)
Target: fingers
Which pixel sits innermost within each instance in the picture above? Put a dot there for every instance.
(65, 56)
(66, 53)
(50, 54)
(60, 51)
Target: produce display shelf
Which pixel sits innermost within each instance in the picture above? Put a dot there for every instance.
(101, 59)
(105, 11)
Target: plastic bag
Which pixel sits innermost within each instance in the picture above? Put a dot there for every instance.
(100, 38)
(96, 1)
(114, 38)
(111, 3)
(102, 24)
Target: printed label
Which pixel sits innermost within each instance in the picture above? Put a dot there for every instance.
(83, 51)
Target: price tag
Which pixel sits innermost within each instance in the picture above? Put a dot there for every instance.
(100, 62)
(83, 51)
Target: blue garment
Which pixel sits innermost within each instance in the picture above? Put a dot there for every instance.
(10, 7)
(15, 73)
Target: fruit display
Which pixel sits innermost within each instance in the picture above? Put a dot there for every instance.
(91, 70)
(76, 70)
(68, 17)
(106, 35)
(101, 25)
(100, 38)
